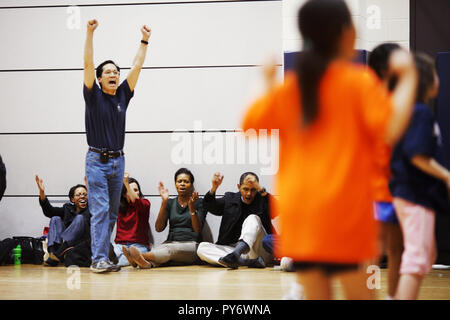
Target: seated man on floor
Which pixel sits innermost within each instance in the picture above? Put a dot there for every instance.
(69, 224)
(246, 220)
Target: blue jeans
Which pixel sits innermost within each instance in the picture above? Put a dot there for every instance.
(123, 261)
(104, 184)
(268, 243)
(72, 234)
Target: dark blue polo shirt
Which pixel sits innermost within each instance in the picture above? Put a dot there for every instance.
(105, 116)
(408, 181)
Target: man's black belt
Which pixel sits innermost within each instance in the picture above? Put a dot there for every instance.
(107, 153)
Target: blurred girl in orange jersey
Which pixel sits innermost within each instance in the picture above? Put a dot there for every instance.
(330, 114)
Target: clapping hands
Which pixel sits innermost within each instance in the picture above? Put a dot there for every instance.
(164, 193)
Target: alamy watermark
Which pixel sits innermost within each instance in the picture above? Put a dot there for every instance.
(374, 280)
(73, 21)
(250, 147)
(373, 17)
(73, 281)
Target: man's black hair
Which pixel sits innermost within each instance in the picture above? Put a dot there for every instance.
(99, 70)
(244, 175)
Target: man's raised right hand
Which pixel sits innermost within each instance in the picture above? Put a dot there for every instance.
(92, 25)
(216, 181)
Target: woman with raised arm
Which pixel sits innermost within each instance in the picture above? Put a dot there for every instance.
(185, 216)
(69, 224)
(133, 227)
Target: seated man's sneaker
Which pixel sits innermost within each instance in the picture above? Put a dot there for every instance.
(257, 263)
(229, 261)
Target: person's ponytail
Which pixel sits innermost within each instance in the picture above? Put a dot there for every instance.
(310, 69)
(321, 23)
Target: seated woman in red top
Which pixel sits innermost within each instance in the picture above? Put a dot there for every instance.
(133, 228)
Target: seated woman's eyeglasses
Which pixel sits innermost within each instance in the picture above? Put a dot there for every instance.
(84, 194)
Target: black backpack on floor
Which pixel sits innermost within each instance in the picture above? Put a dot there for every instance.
(6, 248)
(32, 250)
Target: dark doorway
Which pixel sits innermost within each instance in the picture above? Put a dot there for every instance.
(430, 33)
(430, 26)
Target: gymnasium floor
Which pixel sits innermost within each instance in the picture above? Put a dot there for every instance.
(30, 282)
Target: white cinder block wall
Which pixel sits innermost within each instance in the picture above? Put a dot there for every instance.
(376, 21)
(200, 73)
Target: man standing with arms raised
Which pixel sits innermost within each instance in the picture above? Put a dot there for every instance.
(106, 106)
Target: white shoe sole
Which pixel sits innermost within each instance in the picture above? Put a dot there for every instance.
(95, 270)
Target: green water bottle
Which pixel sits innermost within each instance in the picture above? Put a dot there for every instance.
(17, 255)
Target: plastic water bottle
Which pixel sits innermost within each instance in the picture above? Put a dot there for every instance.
(17, 255)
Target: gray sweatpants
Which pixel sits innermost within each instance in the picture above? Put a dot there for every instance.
(184, 252)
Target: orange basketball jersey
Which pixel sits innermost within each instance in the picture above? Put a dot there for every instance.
(325, 176)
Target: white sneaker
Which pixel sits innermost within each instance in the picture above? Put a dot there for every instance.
(440, 267)
(295, 292)
(286, 264)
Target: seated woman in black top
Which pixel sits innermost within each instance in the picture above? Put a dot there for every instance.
(69, 224)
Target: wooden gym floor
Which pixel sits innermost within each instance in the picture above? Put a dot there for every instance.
(30, 282)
